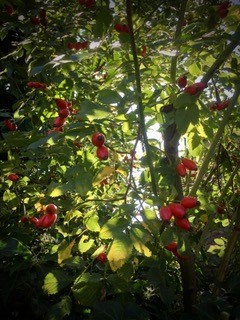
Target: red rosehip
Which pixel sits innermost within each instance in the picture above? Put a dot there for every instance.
(143, 51)
(35, 21)
(213, 106)
(9, 9)
(36, 85)
(178, 211)
(51, 208)
(71, 45)
(59, 122)
(179, 256)
(33, 220)
(189, 202)
(102, 257)
(172, 246)
(220, 208)
(102, 153)
(63, 113)
(183, 223)
(81, 45)
(195, 88)
(11, 126)
(223, 105)
(121, 28)
(62, 104)
(24, 219)
(165, 213)
(46, 221)
(181, 169)
(182, 81)
(189, 164)
(13, 177)
(87, 3)
(98, 139)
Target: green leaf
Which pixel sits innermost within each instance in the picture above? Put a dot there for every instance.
(85, 244)
(57, 190)
(64, 251)
(12, 247)
(140, 237)
(87, 289)
(114, 227)
(55, 281)
(150, 221)
(195, 69)
(61, 309)
(91, 221)
(103, 21)
(108, 96)
(119, 252)
(108, 310)
(92, 111)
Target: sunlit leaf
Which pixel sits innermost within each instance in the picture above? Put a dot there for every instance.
(55, 281)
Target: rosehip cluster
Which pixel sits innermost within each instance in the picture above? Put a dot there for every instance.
(98, 140)
(121, 28)
(186, 164)
(178, 211)
(77, 45)
(9, 125)
(219, 105)
(37, 85)
(46, 220)
(42, 19)
(195, 88)
(64, 108)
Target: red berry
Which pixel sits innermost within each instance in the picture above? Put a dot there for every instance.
(51, 208)
(165, 213)
(36, 85)
(213, 106)
(63, 113)
(11, 126)
(178, 211)
(13, 177)
(223, 105)
(33, 220)
(181, 170)
(189, 164)
(220, 208)
(87, 3)
(24, 219)
(189, 202)
(46, 221)
(102, 153)
(9, 9)
(81, 45)
(121, 28)
(35, 21)
(182, 81)
(98, 139)
(179, 256)
(143, 51)
(62, 104)
(71, 45)
(58, 122)
(102, 257)
(172, 246)
(195, 88)
(183, 223)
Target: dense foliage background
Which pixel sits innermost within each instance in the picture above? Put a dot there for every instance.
(126, 70)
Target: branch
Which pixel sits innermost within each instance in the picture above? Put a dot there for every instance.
(140, 106)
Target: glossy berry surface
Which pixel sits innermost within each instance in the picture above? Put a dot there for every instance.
(102, 257)
(98, 139)
(189, 202)
(51, 208)
(181, 169)
(178, 211)
(189, 164)
(13, 177)
(165, 213)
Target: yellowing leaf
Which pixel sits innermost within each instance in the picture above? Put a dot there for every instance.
(64, 251)
(120, 251)
(106, 172)
(139, 237)
(85, 244)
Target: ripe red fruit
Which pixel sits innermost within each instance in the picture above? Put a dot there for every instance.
(181, 169)
(223, 105)
(11, 126)
(102, 257)
(178, 211)
(189, 164)
(62, 104)
(102, 153)
(182, 81)
(81, 45)
(165, 213)
(46, 221)
(63, 113)
(51, 208)
(172, 246)
(24, 219)
(59, 122)
(220, 208)
(87, 3)
(121, 28)
(143, 51)
(36, 85)
(195, 88)
(9, 9)
(35, 21)
(179, 256)
(189, 202)
(98, 139)
(33, 220)
(183, 223)
(13, 177)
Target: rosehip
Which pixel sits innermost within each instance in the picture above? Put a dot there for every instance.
(121, 28)
(63, 113)
(33, 220)
(98, 139)
(183, 223)
(9, 9)
(13, 177)
(182, 81)
(102, 153)
(143, 51)
(189, 164)
(189, 202)
(62, 104)
(165, 213)
(172, 246)
(24, 219)
(35, 21)
(181, 170)
(36, 85)
(223, 105)
(59, 122)
(102, 257)
(11, 126)
(46, 221)
(51, 208)
(195, 88)
(178, 211)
